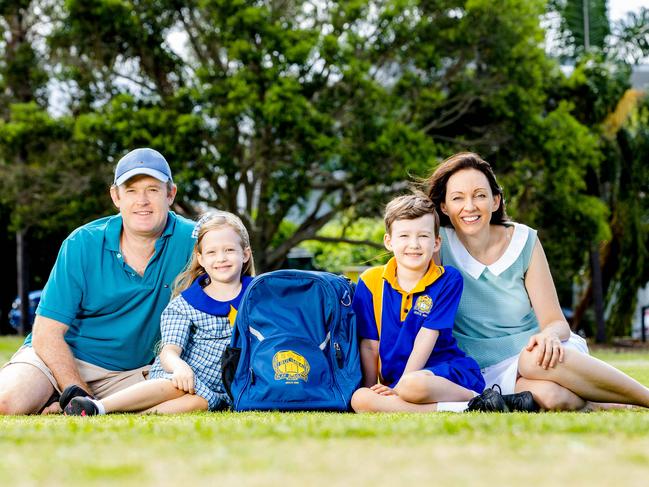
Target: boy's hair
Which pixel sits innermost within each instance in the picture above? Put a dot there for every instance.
(212, 221)
(409, 207)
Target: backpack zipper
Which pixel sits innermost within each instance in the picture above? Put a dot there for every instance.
(339, 355)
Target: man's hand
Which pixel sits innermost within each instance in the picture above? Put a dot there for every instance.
(71, 392)
(53, 408)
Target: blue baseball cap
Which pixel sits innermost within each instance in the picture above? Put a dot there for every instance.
(142, 161)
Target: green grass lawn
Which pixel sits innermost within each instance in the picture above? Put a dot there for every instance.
(574, 449)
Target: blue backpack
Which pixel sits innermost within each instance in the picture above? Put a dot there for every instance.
(294, 344)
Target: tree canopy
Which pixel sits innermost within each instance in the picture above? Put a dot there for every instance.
(292, 113)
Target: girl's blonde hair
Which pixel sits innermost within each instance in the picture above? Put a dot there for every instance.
(211, 221)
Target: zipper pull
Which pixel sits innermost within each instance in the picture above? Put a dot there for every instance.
(339, 355)
(252, 376)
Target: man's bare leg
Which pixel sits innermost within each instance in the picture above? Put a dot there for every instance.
(23, 389)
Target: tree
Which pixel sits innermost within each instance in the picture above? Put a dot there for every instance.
(43, 172)
(622, 180)
(584, 25)
(347, 242)
(22, 80)
(294, 110)
(483, 82)
(599, 89)
(292, 113)
(286, 118)
(627, 255)
(631, 37)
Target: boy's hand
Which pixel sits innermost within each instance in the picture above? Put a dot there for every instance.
(183, 378)
(383, 390)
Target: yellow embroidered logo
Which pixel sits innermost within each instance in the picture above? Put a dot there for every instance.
(290, 366)
(423, 305)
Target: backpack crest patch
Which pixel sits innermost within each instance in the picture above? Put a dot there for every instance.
(290, 366)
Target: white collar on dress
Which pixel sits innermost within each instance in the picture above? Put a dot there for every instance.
(475, 268)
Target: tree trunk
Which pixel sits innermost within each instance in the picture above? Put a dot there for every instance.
(598, 295)
(580, 309)
(22, 272)
(607, 265)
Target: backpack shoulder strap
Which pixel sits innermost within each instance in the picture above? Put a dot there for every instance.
(373, 279)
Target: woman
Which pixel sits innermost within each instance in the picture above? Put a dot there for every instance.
(509, 318)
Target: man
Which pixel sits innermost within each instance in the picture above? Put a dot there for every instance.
(99, 317)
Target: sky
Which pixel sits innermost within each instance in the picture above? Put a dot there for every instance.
(618, 8)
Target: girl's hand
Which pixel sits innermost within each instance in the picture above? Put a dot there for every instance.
(183, 378)
(383, 390)
(549, 349)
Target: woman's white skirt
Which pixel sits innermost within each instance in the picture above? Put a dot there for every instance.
(505, 373)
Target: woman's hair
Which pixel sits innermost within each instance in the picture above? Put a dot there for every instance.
(436, 183)
(409, 207)
(212, 221)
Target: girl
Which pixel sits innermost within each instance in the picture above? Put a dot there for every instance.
(509, 317)
(196, 327)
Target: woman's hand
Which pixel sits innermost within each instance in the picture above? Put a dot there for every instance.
(383, 390)
(183, 377)
(549, 349)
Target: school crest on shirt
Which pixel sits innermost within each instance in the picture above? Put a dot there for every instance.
(423, 305)
(290, 366)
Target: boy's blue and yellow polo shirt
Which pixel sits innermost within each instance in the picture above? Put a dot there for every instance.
(432, 304)
(112, 312)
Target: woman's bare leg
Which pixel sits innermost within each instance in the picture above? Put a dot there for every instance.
(550, 395)
(588, 377)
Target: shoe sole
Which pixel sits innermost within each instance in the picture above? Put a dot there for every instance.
(75, 409)
(70, 393)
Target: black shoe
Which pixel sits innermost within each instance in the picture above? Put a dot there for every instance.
(70, 392)
(81, 406)
(490, 401)
(522, 401)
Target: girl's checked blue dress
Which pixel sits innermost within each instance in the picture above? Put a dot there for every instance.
(201, 326)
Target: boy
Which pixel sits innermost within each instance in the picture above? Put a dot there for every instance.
(405, 311)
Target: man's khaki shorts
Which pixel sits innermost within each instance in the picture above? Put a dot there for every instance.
(102, 382)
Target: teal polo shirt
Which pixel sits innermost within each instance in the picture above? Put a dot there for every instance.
(112, 312)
